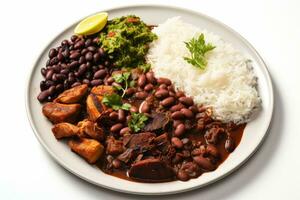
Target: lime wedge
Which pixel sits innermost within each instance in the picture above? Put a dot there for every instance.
(91, 24)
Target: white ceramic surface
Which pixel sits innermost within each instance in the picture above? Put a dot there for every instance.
(254, 133)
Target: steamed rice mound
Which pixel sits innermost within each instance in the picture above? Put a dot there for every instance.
(228, 83)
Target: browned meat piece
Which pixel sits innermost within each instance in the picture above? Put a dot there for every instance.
(93, 102)
(91, 150)
(157, 121)
(162, 143)
(151, 170)
(90, 129)
(64, 129)
(140, 141)
(57, 112)
(213, 135)
(114, 147)
(126, 155)
(73, 95)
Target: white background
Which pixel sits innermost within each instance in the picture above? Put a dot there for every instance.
(28, 172)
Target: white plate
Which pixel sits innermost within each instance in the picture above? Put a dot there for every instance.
(254, 133)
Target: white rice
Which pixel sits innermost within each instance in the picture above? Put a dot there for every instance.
(228, 83)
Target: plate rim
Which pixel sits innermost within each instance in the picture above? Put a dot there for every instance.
(141, 5)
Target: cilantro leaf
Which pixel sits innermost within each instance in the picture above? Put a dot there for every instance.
(122, 78)
(137, 121)
(198, 48)
(115, 102)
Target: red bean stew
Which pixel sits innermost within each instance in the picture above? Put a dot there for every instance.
(153, 133)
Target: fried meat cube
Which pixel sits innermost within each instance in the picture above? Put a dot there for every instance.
(73, 95)
(90, 129)
(64, 129)
(91, 150)
(57, 112)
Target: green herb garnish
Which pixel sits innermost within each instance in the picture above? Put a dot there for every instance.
(137, 121)
(115, 102)
(122, 78)
(198, 48)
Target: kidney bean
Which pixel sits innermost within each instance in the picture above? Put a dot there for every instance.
(176, 142)
(43, 95)
(54, 78)
(73, 64)
(79, 44)
(212, 150)
(180, 94)
(182, 175)
(176, 107)
(172, 94)
(150, 77)
(161, 93)
(171, 89)
(59, 87)
(66, 53)
(43, 85)
(121, 115)
(86, 81)
(141, 80)
(204, 163)
(188, 101)
(130, 91)
(163, 86)
(75, 84)
(43, 72)
(51, 90)
(96, 57)
(194, 109)
(89, 56)
(134, 109)
(52, 53)
(141, 95)
(88, 42)
(117, 127)
(117, 85)
(149, 87)
(65, 71)
(64, 43)
(74, 38)
(168, 101)
(75, 55)
(125, 130)
(49, 74)
(187, 113)
(49, 83)
(101, 52)
(177, 115)
(176, 123)
(164, 81)
(61, 77)
(81, 60)
(100, 74)
(145, 107)
(82, 69)
(179, 130)
(116, 163)
(96, 82)
(60, 57)
(229, 145)
(113, 115)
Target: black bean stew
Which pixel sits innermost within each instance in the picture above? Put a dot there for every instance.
(171, 138)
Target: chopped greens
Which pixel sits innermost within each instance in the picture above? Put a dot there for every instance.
(198, 48)
(126, 40)
(115, 102)
(122, 78)
(137, 122)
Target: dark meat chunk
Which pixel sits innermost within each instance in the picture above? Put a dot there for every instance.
(188, 170)
(213, 135)
(63, 130)
(91, 150)
(151, 170)
(140, 141)
(162, 143)
(73, 95)
(114, 147)
(57, 112)
(90, 129)
(126, 156)
(157, 121)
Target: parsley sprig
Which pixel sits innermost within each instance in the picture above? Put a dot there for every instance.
(198, 48)
(123, 78)
(115, 102)
(137, 121)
